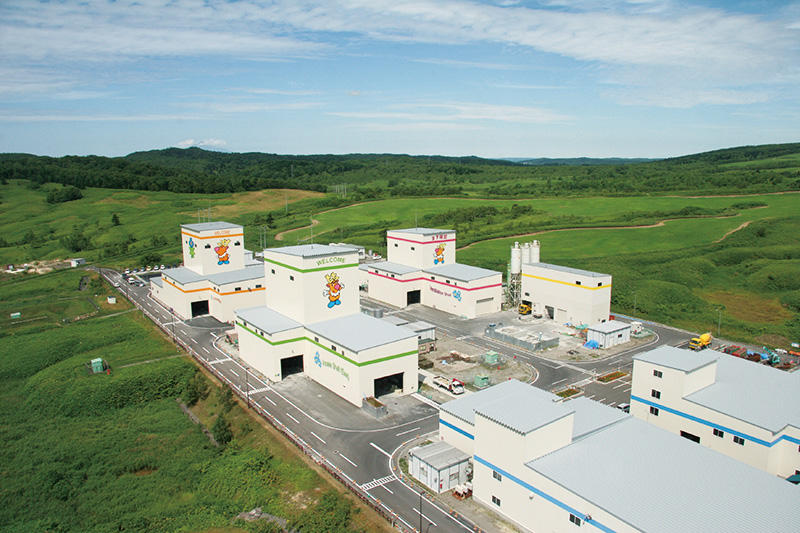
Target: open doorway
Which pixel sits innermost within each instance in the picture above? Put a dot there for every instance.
(548, 311)
(199, 308)
(388, 384)
(291, 365)
(413, 297)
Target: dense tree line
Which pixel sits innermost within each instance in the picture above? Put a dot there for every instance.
(381, 175)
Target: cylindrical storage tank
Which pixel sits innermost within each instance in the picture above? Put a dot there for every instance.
(535, 245)
(516, 259)
(526, 253)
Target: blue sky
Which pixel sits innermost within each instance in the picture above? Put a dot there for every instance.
(505, 78)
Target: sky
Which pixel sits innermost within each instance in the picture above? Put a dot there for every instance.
(492, 78)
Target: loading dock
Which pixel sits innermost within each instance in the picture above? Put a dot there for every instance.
(388, 384)
(291, 365)
(413, 297)
(199, 308)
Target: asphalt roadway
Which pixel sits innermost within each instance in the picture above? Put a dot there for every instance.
(349, 442)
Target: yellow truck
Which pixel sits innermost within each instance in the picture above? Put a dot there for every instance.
(700, 343)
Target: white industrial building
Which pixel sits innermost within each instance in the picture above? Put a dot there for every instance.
(609, 334)
(421, 268)
(563, 294)
(218, 275)
(310, 322)
(439, 466)
(748, 411)
(550, 465)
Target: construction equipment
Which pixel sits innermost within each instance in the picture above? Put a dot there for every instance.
(524, 309)
(770, 358)
(453, 385)
(700, 343)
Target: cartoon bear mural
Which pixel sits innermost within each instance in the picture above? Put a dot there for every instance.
(222, 252)
(438, 254)
(333, 289)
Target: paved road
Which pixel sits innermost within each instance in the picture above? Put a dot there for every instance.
(354, 445)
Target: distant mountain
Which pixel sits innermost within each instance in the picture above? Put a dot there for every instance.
(579, 161)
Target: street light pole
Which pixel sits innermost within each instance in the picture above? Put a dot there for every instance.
(719, 321)
(247, 386)
(634, 305)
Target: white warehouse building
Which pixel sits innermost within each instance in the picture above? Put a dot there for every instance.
(748, 411)
(218, 275)
(421, 268)
(563, 294)
(550, 465)
(311, 322)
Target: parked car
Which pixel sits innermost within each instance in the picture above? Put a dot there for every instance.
(624, 407)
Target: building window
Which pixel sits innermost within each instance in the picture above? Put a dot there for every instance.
(413, 248)
(392, 275)
(395, 245)
(577, 283)
(574, 519)
(719, 433)
(433, 278)
(273, 270)
(654, 410)
(291, 278)
(495, 500)
(237, 289)
(447, 280)
(655, 394)
(316, 339)
(333, 347)
(738, 440)
(658, 373)
(258, 286)
(497, 475)
(600, 284)
(527, 294)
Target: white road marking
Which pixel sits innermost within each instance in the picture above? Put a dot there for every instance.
(218, 361)
(621, 385)
(408, 431)
(387, 489)
(293, 418)
(377, 483)
(348, 460)
(559, 381)
(626, 390)
(257, 391)
(320, 438)
(234, 372)
(191, 339)
(384, 452)
(612, 404)
(179, 329)
(270, 401)
(205, 349)
(425, 517)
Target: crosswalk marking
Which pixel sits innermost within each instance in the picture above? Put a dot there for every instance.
(256, 391)
(377, 483)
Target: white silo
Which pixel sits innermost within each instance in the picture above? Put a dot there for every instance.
(535, 248)
(526, 253)
(514, 285)
(516, 259)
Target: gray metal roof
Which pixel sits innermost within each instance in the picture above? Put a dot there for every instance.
(313, 250)
(523, 411)
(210, 226)
(355, 247)
(359, 332)
(757, 394)
(423, 231)
(569, 270)
(267, 320)
(464, 408)
(591, 416)
(156, 280)
(661, 483)
(419, 325)
(184, 275)
(439, 455)
(461, 272)
(678, 358)
(395, 320)
(612, 326)
(390, 267)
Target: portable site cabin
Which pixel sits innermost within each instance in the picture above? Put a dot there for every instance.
(608, 334)
(439, 466)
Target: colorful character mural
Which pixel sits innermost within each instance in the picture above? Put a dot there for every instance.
(222, 252)
(333, 289)
(192, 247)
(438, 254)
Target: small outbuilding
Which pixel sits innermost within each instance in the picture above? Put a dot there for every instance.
(439, 466)
(77, 262)
(608, 334)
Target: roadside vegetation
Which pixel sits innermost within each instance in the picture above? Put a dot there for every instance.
(113, 451)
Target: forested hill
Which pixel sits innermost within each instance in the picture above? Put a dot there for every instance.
(751, 169)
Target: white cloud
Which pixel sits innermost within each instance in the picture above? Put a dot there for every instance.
(207, 144)
(461, 112)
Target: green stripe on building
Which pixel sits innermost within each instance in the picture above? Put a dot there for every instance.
(320, 269)
(337, 354)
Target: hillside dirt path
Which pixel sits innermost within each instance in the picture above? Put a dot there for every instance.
(279, 236)
(741, 226)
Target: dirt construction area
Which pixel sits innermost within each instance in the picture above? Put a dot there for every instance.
(463, 361)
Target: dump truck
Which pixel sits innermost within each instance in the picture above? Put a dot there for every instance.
(453, 385)
(700, 343)
(524, 309)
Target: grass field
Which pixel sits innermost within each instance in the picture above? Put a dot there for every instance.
(113, 452)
